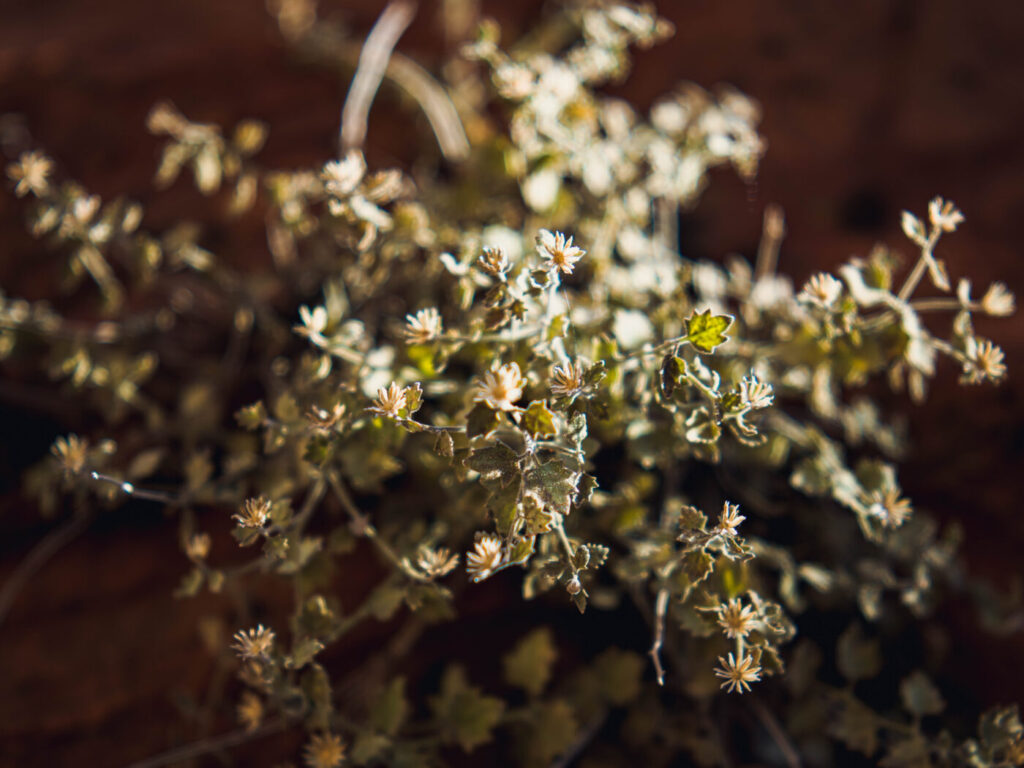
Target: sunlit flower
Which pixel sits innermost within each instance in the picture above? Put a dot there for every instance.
(341, 177)
(998, 300)
(730, 519)
(314, 322)
(984, 361)
(484, 558)
(822, 290)
(944, 215)
(500, 388)
(324, 750)
(567, 380)
(738, 674)
(250, 711)
(30, 173)
(197, 546)
(755, 393)
(558, 251)
(423, 326)
(494, 262)
(390, 400)
(436, 562)
(736, 619)
(254, 513)
(890, 508)
(71, 452)
(254, 643)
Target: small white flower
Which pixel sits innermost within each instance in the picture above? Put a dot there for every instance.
(314, 322)
(558, 251)
(390, 400)
(730, 519)
(436, 562)
(500, 388)
(736, 619)
(485, 557)
(944, 215)
(984, 361)
(738, 673)
(998, 301)
(30, 173)
(254, 513)
(567, 380)
(822, 290)
(254, 644)
(424, 326)
(755, 393)
(341, 177)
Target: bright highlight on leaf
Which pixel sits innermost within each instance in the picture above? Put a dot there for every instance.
(706, 331)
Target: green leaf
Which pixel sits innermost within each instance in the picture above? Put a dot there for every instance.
(303, 652)
(920, 696)
(385, 600)
(706, 331)
(529, 664)
(466, 717)
(316, 685)
(481, 421)
(553, 729)
(503, 504)
(692, 519)
(251, 417)
(497, 465)
(390, 709)
(539, 420)
(697, 565)
(856, 726)
(618, 673)
(553, 483)
(368, 747)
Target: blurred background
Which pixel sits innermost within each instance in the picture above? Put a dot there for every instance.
(870, 107)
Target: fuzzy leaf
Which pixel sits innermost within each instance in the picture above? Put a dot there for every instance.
(529, 664)
(481, 420)
(539, 420)
(618, 673)
(466, 716)
(706, 331)
(920, 696)
(390, 708)
(858, 658)
(496, 464)
(552, 482)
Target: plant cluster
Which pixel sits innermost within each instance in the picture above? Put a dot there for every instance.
(509, 368)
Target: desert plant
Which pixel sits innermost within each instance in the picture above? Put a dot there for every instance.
(508, 366)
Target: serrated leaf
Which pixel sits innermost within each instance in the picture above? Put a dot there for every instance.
(503, 505)
(920, 696)
(697, 565)
(706, 331)
(497, 465)
(251, 416)
(692, 519)
(444, 445)
(528, 666)
(316, 685)
(385, 600)
(552, 482)
(466, 717)
(553, 730)
(539, 420)
(303, 652)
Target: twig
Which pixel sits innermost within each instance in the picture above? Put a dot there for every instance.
(789, 753)
(660, 612)
(207, 745)
(577, 747)
(771, 240)
(44, 549)
(373, 63)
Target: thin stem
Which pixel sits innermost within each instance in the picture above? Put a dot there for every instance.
(660, 613)
(771, 242)
(775, 730)
(40, 554)
(924, 261)
(373, 63)
(211, 744)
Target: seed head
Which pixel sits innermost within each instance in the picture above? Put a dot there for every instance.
(738, 673)
(567, 380)
(500, 388)
(325, 750)
(558, 251)
(485, 557)
(254, 513)
(254, 643)
(424, 326)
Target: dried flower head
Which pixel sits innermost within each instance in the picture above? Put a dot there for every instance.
(254, 643)
(738, 673)
(500, 388)
(558, 251)
(567, 380)
(998, 300)
(72, 452)
(494, 262)
(736, 619)
(197, 546)
(730, 519)
(324, 750)
(944, 215)
(342, 177)
(822, 290)
(390, 401)
(890, 508)
(250, 711)
(436, 562)
(984, 361)
(30, 173)
(755, 393)
(424, 326)
(322, 418)
(254, 513)
(485, 557)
